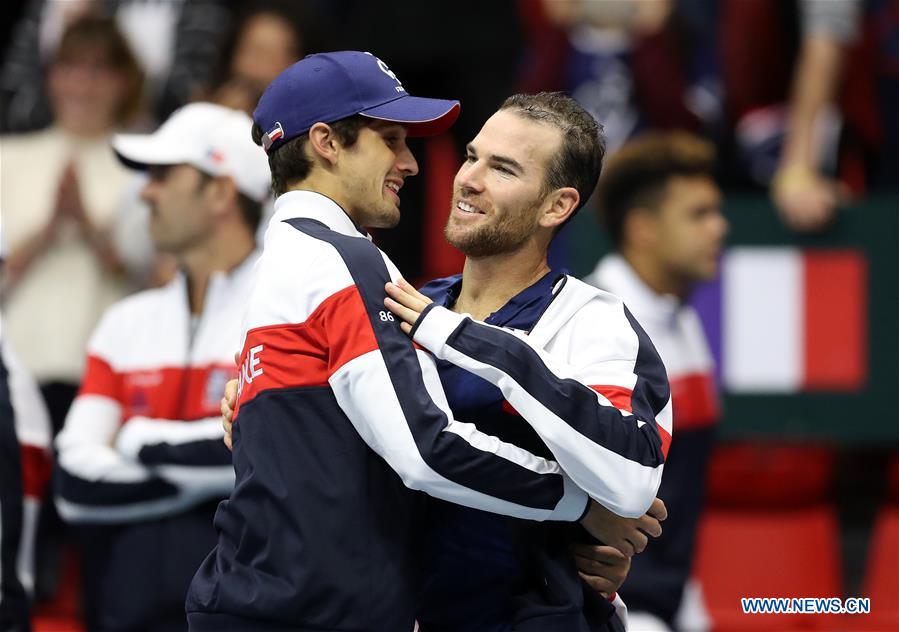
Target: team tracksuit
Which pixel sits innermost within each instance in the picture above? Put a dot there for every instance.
(141, 452)
(25, 435)
(658, 576)
(488, 572)
(339, 414)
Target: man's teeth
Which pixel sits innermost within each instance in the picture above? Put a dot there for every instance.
(465, 207)
(393, 186)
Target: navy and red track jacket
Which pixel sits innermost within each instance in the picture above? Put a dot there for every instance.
(338, 414)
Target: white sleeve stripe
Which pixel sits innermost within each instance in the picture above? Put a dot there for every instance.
(363, 380)
(139, 432)
(477, 439)
(84, 445)
(136, 512)
(614, 481)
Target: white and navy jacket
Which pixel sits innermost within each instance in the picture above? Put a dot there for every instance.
(483, 571)
(143, 439)
(677, 333)
(338, 413)
(25, 435)
(587, 379)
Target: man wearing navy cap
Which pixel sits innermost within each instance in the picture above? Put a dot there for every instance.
(337, 411)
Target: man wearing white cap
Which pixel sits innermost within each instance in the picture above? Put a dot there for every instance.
(141, 448)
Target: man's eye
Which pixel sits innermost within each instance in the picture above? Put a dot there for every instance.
(470, 158)
(504, 170)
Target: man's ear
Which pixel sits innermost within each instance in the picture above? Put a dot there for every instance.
(559, 206)
(324, 143)
(221, 194)
(640, 227)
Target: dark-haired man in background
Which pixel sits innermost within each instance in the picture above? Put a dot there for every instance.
(662, 208)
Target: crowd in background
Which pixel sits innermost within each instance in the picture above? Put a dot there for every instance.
(804, 114)
(798, 97)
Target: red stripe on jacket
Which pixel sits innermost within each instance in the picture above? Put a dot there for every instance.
(694, 397)
(620, 397)
(184, 393)
(307, 353)
(36, 469)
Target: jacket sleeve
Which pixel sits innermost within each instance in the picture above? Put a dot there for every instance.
(94, 483)
(394, 398)
(189, 454)
(389, 391)
(33, 432)
(600, 399)
(97, 483)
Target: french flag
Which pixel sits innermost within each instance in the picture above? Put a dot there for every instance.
(782, 320)
(269, 138)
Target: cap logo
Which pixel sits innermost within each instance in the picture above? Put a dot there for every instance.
(215, 156)
(269, 138)
(387, 71)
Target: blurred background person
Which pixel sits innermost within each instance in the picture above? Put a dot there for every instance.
(142, 451)
(59, 193)
(642, 65)
(811, 111)
(25, 463)
(60, 188)
(264, 37)
(24, 474)
(805, 195)
(177, 44)
(267, 37)
(660, 204)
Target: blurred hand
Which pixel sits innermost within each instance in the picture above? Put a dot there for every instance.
(25, 252)
(629, 535)
(805, 200)
(69, 206)
(68, 198)
(228, 404)
(603, 568)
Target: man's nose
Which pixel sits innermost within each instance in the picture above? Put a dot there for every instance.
(470, 177)
(150, 190)
(406, 162)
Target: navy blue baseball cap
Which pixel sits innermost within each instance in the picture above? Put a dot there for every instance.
(327, 87)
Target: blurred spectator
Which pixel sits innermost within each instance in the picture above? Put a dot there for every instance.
(24, 474)
(142, 451)
(268, 36)
(176, 42)
(60, 188)
(805, 107)
(805, 197)
(639, 65)
(661, 206)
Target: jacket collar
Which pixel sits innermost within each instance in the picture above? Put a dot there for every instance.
(221, 282)
(614, 274)
(313, 205)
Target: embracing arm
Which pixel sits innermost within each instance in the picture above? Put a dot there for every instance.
(602, 406)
